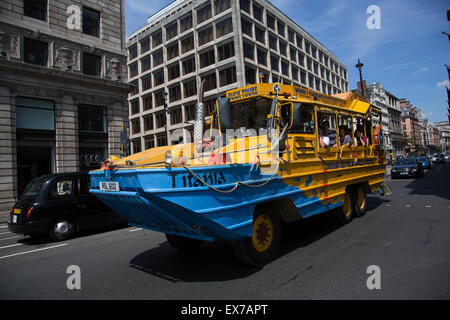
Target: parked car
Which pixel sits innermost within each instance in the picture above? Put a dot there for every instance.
(446, 156)
(426, 163)
(438, 158)
(59, 205)
(408, 167)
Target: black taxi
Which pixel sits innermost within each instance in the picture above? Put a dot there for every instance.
(59, 205)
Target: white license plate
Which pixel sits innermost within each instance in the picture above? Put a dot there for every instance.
(404, 173)
(109, 186)
(14, 219)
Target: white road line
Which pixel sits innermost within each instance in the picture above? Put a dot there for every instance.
(9, 238)
(427, 206)
(4, 233)
(13, 245)
(408, 206)
(31, 251)
(387, 205)
(2, 227)
(133, 230)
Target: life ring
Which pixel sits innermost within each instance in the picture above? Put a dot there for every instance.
(379, 137)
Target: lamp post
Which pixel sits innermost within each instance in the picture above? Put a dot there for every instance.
(359, 66)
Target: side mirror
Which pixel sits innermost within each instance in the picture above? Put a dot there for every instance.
(224, 114)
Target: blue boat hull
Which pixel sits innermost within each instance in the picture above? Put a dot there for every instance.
(173, 201)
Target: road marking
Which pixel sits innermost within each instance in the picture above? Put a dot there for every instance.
(13, 245)
(427, 206)
(408, 206)
(387, 205)
(2, 227)
(137, 229)
(31, 251)
(9, 238)
(4, 233)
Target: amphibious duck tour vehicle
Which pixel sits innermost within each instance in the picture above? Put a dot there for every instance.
(269, 153)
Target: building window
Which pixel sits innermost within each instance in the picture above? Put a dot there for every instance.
(301, 59)
(205, 36)
(176, 115)
(149, 142)
(148, 122)
(262, 57)
(283, 48)
(294, 73)
(190, 88)
(35, 114)
(207, 58)
(187, 44)
(35, 52)
(171, 31)
(245, 5)
(257, 12)
(157, 39)
(160, 118)
(158, 78)
(280, 27)
(174, 93)
(145, 45)
(145, 63)
(159, 98)
(270, 21)
(293, 54)
(210, 81)
(284, 68)
(147, 102)
(92, 119)
(134, 87)
(133, 69)
(291, 36)
(146, 83)
(246, 27)
(189, 112)
(249, 51)
(250, 75)
(173, 71)
(224, 27)
(35, 9)
(227, 76)
(91, 22)
(274, 63)
(221, 5)
(92, 64)
(136, 145)
(188, 66)
(272, 42)
(302, 76)
(186, 23)
(225, 51)
(132, 52)
(134, 107)
(157, 59)
(299, 41)
(172, 51)
(161, 140)
(135, 126)
(260, 35)
(204, 14)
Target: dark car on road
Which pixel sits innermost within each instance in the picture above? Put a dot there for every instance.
(426, 163)
(408, 167)
(438, 158)
(59, 205)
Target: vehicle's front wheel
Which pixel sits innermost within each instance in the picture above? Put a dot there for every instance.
(183, 244)
(262, 246)
(61, 229)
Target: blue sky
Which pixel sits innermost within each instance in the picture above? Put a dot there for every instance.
(407, 55)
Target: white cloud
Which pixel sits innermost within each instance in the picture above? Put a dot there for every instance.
(423, 69)
(443, 84)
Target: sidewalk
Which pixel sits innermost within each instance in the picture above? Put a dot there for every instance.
(4, 216)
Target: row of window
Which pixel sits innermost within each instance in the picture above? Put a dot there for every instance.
(36, 52)
(38, 9)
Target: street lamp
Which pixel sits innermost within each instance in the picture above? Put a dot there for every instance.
(359, 65)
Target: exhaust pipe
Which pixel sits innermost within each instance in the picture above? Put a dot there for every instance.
(199, 117)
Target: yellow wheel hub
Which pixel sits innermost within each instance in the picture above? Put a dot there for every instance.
(361, 198)
(262, 232)
(347, 205)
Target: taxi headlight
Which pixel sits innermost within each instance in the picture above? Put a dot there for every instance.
(169, 158)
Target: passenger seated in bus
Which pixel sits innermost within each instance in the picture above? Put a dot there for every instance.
(344, 138)
(361, 139)
(324, 141)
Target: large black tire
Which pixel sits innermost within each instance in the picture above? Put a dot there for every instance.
(184, 244)
(359, 201)
(62, 228)
(262, 246)
(345, 212)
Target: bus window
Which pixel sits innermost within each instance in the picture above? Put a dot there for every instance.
(303, 119)
(327, 129)
(250, 118)
(345, 132)
(360, 138)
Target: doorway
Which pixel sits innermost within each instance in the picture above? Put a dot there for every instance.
(32, 162)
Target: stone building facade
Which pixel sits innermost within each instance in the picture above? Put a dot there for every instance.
(63, 88)
(227, 43)
(444, 132)
(412, 129)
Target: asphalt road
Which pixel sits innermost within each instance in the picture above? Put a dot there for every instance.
(407, 235)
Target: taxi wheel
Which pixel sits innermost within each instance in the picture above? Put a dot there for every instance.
(61, 229)
(345, 212)
(183, 244)
(262, 246)
(360, 201)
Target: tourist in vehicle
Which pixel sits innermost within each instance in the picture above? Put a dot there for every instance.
(324, 141)
(344, 138)
(361, 139)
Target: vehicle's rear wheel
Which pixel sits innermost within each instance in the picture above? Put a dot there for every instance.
(183, 243)
(360, 203)
(262, 246)
(62, 228)
(345, 212)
